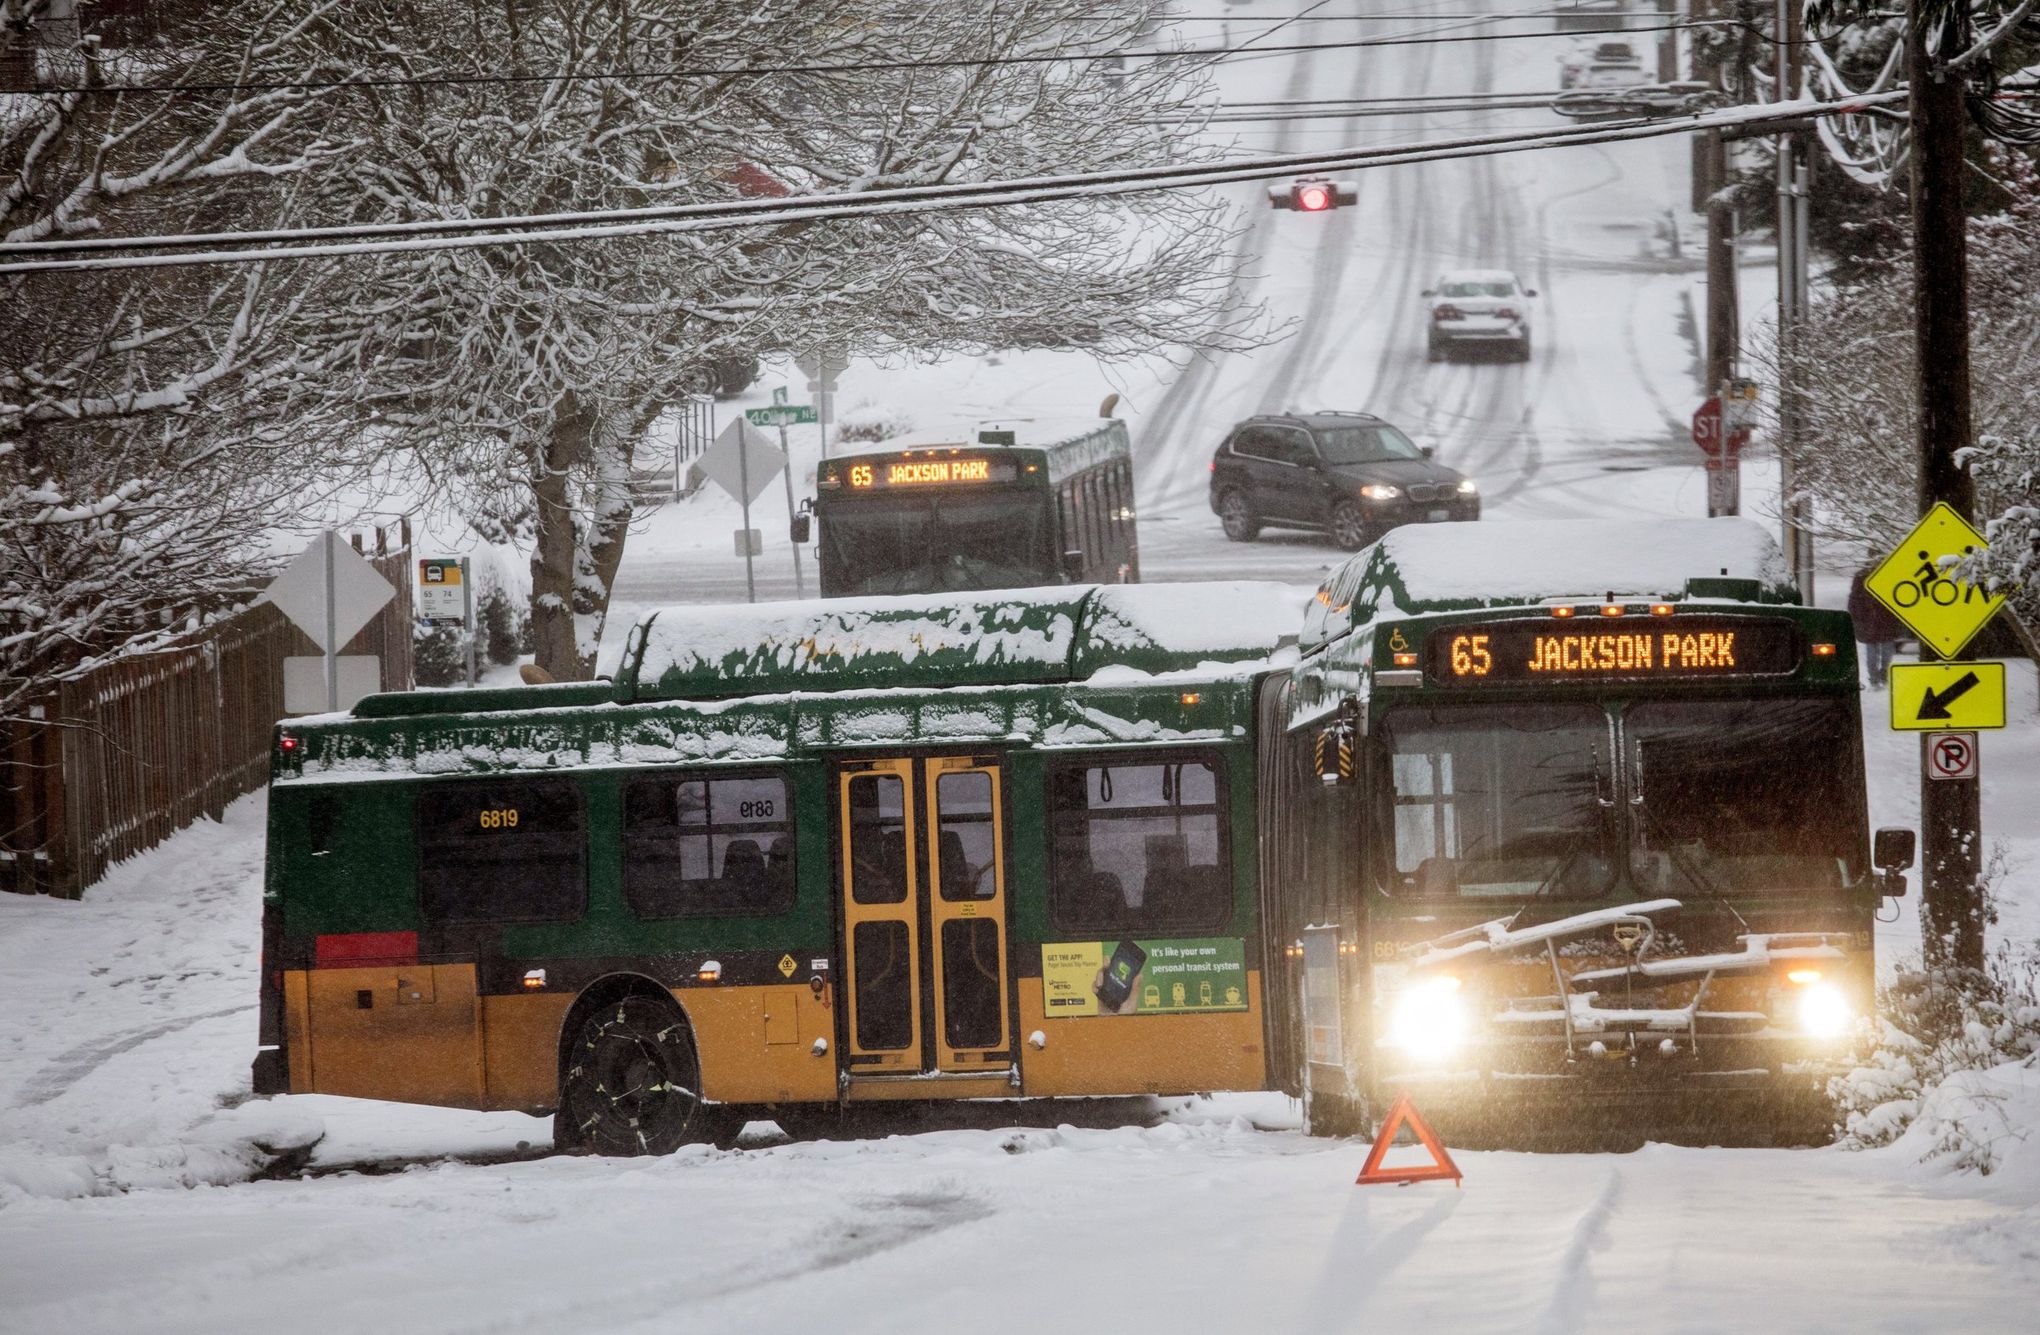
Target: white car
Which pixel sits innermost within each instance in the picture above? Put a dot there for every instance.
(1469, 307)
(1592, 52)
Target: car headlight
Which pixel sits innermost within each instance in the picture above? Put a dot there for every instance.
(1430, 1019)
(1824, 1012)
(1467, 487)
(1380, 491)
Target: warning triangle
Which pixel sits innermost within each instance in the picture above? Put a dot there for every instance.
(1401, 1113)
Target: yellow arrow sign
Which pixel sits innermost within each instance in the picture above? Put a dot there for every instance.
(1913, 582)
(1933, 697)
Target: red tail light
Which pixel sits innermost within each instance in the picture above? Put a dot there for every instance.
(1447, 313)
(1507, 313)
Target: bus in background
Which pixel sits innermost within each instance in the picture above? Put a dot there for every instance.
(1008, 505)
(1568, 818)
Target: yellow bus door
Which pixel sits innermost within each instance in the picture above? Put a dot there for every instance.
(967, 912)
(922, 880)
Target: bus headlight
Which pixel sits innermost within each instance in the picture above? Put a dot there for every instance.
(1430, 1019)
(1824, 1012)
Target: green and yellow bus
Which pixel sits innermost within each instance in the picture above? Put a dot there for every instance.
(1017, 504)
(1570, 819)
(793, 856)
(1585, 826)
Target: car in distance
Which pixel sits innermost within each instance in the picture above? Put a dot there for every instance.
(1574, 63)
(1351, 476)
(1468, 307)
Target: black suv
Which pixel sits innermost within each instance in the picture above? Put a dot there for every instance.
(1350, 475)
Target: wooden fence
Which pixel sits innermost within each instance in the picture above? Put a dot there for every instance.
(126, 755)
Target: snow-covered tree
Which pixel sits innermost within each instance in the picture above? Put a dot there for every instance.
(155, 425)
(524, 376)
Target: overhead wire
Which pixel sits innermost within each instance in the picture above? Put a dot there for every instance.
(432, 234)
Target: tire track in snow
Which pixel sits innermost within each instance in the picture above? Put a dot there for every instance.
(66, 1069)
(1574, 1293)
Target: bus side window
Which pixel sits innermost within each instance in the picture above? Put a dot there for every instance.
(502, 850)
(698, 844)
(1138, 846)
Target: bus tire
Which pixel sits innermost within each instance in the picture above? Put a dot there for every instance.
(1236, 513)
(630, 1083)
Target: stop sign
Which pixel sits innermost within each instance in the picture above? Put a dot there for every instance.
(1707, 432)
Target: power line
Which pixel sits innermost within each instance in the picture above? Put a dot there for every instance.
(1246, 47)
(374, 239)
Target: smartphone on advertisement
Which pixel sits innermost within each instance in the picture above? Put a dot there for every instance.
(1115, 982)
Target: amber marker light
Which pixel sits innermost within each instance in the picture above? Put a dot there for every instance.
(1561, 611)
(711, 971)
(1803, 977)
(1823, 651)
(1611, 609)
(1405, 660)
(1660, 609)
(1190, 697)
(534, 979)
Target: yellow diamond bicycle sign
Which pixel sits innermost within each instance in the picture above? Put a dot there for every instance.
(1914, 583)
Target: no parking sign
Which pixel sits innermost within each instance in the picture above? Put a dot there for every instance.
(1951, 755)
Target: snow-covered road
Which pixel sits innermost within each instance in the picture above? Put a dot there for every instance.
(1595, 424)
(1208, 1225)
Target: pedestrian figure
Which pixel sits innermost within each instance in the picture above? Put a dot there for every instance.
(1876, 628)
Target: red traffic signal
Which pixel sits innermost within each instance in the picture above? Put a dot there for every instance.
(1313, 194)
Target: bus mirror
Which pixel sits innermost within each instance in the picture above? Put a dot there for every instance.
(799, 529)
(1892, 850)
(1073, 564)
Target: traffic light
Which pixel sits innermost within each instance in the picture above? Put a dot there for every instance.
(1313, 194)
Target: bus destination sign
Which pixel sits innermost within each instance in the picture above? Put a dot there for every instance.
(1518, 652)
(887, 474)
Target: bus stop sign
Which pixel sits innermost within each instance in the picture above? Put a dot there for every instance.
(1914, 583)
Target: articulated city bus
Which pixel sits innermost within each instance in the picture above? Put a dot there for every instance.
(1569, 819)
(793, 857)
(1579, 828)
(1017, 504)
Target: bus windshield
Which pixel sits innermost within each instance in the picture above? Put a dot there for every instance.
(1502, 801)
(929, 544)
(1744, 796)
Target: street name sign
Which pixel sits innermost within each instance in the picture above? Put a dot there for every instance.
(1935, 697)
(792, 414)
(1913, 582)
(743, 461)
(359, 592)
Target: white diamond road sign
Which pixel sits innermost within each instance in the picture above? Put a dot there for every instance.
(743, 457)
(359, 592)
(823, 365)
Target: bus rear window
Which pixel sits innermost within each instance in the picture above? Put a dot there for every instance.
(501, 851)
(1138, 847)
(695, 844)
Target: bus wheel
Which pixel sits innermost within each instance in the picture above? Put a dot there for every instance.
(632, 1082)
(1349, 526)
(1238, 517)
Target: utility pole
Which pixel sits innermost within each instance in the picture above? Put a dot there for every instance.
(1710, 177)
(1951, 827)
(1793, 210)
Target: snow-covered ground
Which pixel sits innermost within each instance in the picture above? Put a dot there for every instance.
(127, 1145)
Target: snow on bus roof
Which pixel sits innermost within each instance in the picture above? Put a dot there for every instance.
(1423, 568)
(1038, 433)
(1505, 561)
(1007, 636)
